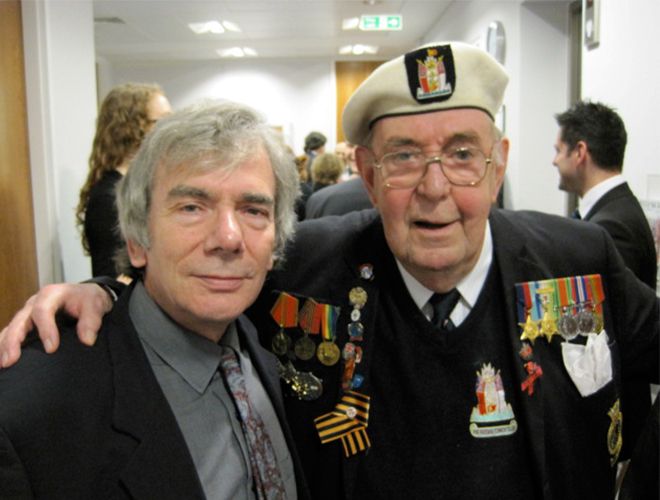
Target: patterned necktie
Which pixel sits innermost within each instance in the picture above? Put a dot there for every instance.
(267, 478)
(443, 304)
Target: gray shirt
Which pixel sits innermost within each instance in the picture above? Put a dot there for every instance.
(186, 367)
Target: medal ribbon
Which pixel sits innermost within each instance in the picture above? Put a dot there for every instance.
(310, 316)
(348, 421)
(285, 310)
(595, 287)
(329, 315)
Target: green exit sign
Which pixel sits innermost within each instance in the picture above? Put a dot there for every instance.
(392, 22)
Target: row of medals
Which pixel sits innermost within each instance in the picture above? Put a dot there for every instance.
(579, 320)
(306, 385)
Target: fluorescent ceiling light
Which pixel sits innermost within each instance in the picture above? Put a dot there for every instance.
(237, 52)
(358, 49)
(215, 27)
(206, 27)
(350, 23)
(229, 26)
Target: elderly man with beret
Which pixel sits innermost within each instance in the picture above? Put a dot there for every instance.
(437, 347)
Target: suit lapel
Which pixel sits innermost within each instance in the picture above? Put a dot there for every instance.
(620, 191)
(158, 464)
(517, 264)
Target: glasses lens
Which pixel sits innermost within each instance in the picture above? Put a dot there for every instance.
(403, 169)
(464, 166)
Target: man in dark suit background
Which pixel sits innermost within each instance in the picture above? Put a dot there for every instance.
(177, 399)
(339, 199)
(590, 149)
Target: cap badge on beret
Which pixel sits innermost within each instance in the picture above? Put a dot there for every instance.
(431, 73)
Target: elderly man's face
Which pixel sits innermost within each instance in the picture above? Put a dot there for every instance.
(434, 229)
(212, 238)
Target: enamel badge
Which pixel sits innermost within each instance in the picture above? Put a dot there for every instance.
(492, 416)
(431, 74)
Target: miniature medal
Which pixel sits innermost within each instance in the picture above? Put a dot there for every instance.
(285, 314)
(530, 329)
(310, 322)
(328, 353)
(586, 323)
(281, 343)
(304, 348)
(567, 325)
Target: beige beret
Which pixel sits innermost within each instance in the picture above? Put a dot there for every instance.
(437, 76)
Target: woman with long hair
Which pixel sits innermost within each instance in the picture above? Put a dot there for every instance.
(126, 115)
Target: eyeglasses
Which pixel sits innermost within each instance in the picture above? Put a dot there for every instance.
(462, 166)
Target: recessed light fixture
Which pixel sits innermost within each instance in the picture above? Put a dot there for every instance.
(215, 27)
(350, 23)
(237, 52)
(229, 26)
(358, 49)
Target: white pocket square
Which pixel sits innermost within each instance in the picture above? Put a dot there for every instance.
(590, 365)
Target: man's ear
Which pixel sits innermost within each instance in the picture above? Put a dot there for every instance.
(581, 150)
(364, 160)
(500, 166)
(136, 254)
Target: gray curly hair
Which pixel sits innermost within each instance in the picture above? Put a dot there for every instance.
(203, 137)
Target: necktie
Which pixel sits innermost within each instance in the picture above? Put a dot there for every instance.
(443, 304)
(267, 478)
(576, 214)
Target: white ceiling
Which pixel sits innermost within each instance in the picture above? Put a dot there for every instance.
(157, 30)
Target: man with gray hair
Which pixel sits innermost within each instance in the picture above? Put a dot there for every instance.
(176, 399)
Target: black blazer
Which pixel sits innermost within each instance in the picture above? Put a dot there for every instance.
(338, 199)
(619, 212)
(92, 422)
(567, 433)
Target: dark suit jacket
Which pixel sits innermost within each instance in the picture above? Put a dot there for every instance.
(619, 212)
(92, 422)
(338, 199)
(567, 433)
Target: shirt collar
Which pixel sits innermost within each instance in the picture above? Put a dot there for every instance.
(592, 196)
(469, 287)
(193, 357)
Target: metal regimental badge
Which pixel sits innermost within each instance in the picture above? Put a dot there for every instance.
(614, 438)
(493, 416)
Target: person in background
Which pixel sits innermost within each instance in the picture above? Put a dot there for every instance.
(314, 146)
(126, 114)
(590, 149)
(446, 358)
(326, 170)
(346, 151)
(177, 399)
(345, 196)
(305, 186)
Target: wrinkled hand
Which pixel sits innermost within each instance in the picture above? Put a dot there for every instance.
(87, 302)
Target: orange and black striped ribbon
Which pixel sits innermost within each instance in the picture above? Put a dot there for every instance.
(347, 422)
